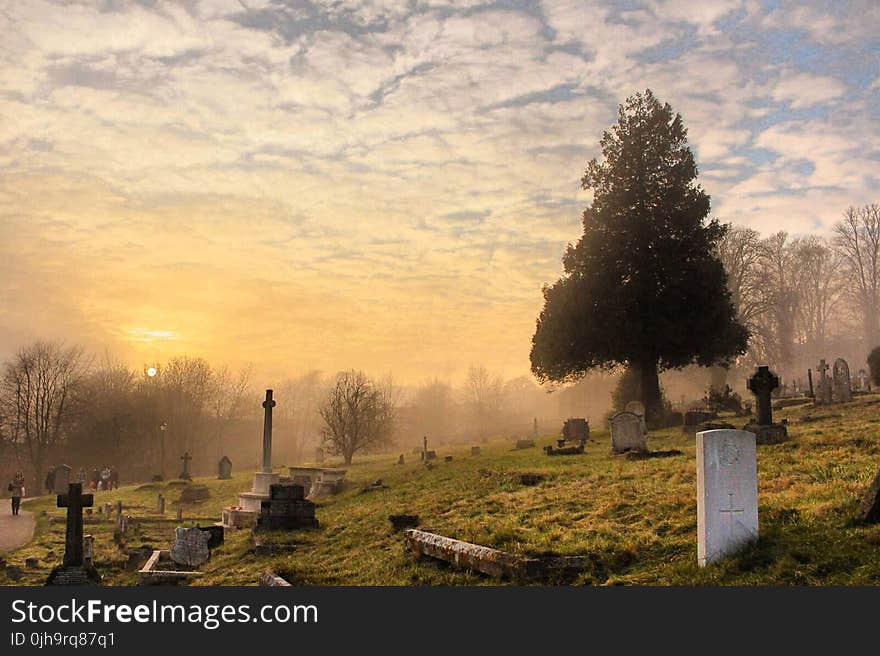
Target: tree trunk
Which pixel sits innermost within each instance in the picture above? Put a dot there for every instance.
(651, 392)
(348, 457)
(717, 378)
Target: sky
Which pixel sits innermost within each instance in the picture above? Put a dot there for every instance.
(383, 185)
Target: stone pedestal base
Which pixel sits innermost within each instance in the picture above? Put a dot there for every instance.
(238, 518)
(769, 433)
(262, 481)
(74, 575)
(250, 501)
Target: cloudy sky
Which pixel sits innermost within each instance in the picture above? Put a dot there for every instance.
(383, 185)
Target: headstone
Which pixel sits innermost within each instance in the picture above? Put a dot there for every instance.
(810, 381)
(841, 382)
(761, 384)
(216, 535)
(430, 455)
(447, 458)
(637, 408)
(190, 547)
(400, 460)
(823, 394)
(864, 384)
(286, 509)
(180, 513)
(185, 475)
(160, 505)
(525, 444)
(224, 468)
(475, 451)
(627, 433)
(118, 508)
(62, 478)
(73, 571)
(575, 430)
(727, 493)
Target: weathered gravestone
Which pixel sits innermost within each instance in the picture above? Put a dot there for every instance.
(160, 505)
(286, 509)
(190, 547)
(475, 451)
(62, 478)
(185, 475)
(762, 384)
(627, 433)
(73, 570)
(864, 384)
(727, 493)
(89, 549)
(841, 382)
(823, 393)
(576, 429)
(224, 468)
(401, 460)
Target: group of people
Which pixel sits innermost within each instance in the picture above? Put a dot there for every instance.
(16, 491)
(103, 479)
(106, 478)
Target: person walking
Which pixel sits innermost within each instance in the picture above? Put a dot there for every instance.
(16, 491)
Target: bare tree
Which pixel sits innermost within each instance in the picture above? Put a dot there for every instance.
(780, 281)
(434, 408)
(228, 399)
(36, 394)
(820, 291)
(483, 394)
(357, 414)
(857, 238)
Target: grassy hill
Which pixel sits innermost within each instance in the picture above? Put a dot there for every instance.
(636, 518)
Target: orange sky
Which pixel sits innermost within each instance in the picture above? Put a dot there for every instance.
(377, 186)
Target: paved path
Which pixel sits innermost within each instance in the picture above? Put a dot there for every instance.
(17, 531)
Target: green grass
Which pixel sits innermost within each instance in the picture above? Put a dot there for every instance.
(636, 519)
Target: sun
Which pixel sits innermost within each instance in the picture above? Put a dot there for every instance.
(151, 371)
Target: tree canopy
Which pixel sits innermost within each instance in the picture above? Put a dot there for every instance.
(643, 287)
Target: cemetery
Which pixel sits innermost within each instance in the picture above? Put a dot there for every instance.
(724, 508)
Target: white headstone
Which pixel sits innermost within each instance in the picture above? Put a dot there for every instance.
(727, 493)
(627, 433)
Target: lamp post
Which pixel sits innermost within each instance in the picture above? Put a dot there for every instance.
(162, 428)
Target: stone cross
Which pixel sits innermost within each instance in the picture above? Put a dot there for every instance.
(425, 444)
(268, 404)
(762, 384)
(186, 457)
(74, 501)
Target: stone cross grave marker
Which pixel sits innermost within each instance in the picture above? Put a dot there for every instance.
(627, 433)
(160, 504)
(823, 393)
(841, 381)
(186, 457)
(762, 384)
(727, 493)
(74, 501)
(268, 404)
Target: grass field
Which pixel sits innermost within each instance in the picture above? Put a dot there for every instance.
(636, 519)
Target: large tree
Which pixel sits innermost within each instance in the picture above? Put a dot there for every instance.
(644, 287)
